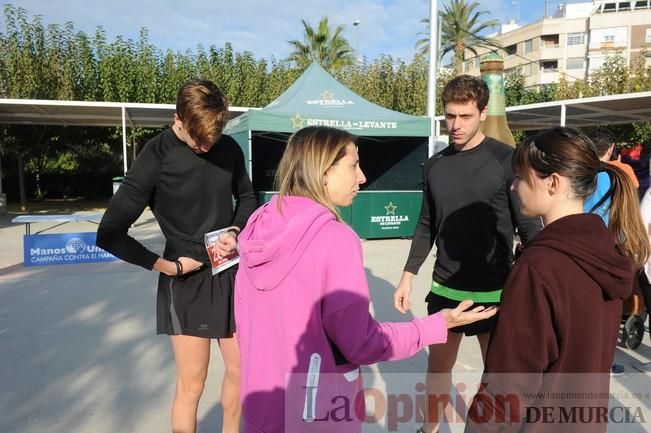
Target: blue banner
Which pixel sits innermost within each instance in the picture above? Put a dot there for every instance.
(63, 249)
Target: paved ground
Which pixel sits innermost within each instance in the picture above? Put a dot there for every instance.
(78, 352)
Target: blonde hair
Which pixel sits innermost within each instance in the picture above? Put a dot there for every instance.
(309, 154)
(203, 109)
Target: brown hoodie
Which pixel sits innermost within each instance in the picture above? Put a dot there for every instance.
(554, 341)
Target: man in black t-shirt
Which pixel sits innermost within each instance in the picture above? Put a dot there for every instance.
(469, 212)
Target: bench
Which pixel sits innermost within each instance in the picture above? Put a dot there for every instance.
(61, 219)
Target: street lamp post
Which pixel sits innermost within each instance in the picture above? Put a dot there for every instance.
(431, 81)
(516, 3)
(3, 196)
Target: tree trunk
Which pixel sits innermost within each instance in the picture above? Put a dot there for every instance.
(458, 66)
(21, 182)
(458, 59)
(39, 191)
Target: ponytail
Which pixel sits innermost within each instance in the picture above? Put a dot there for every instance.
(572, 154)
(625, 219)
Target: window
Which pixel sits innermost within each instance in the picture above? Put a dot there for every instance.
(549, 65)
(511, 50)
(610, 7)
(595, 62)
(612, 37)
(528, 46)
(647, 38)
(526, 69)
(576, 38)
(575, 63)
(641, 5)
(549, 41)
(625, 6)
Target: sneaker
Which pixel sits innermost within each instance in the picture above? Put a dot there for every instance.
(617, 370)
(644, 367)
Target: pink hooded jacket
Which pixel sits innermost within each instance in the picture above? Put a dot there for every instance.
(303, 321)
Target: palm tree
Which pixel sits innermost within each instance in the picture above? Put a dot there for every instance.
(330, 49)
(460, 28)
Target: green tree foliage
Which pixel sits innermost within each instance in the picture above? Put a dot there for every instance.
(461, 25)
(322, 45)
(58, 62)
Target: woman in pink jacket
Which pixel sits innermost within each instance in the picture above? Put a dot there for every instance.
(302, 301)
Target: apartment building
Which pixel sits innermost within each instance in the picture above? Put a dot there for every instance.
(574, 41)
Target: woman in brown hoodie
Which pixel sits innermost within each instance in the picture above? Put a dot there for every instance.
(548, 362)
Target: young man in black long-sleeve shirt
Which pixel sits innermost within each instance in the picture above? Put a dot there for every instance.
(189, 176)
(469, 212)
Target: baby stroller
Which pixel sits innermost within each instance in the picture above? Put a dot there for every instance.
(634, 315)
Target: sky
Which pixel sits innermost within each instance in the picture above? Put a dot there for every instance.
(264, 26)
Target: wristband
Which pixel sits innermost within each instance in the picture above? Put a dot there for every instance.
(179, 267)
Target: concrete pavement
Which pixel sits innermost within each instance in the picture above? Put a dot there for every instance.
(78, 352)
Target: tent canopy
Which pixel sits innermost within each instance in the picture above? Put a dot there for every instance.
(318, 99)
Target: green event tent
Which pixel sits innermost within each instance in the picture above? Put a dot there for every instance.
(392, 148)
(317, 98)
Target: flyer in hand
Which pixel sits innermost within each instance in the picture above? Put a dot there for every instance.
(219, 263)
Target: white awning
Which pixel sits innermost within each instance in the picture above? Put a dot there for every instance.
(583, 112)
(87, 113)
(579, 113)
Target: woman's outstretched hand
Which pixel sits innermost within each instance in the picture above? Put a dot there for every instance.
(463, 316)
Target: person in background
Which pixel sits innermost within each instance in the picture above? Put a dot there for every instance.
(616, 160)
(599, 202)
(562, 303)
(189, 175)
(637, 157)
(302, 298)
(471, 215)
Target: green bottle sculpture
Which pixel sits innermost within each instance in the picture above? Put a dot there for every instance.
(492, 72)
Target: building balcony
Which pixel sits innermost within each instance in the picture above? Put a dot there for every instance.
(551, 53)
(549, 76)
